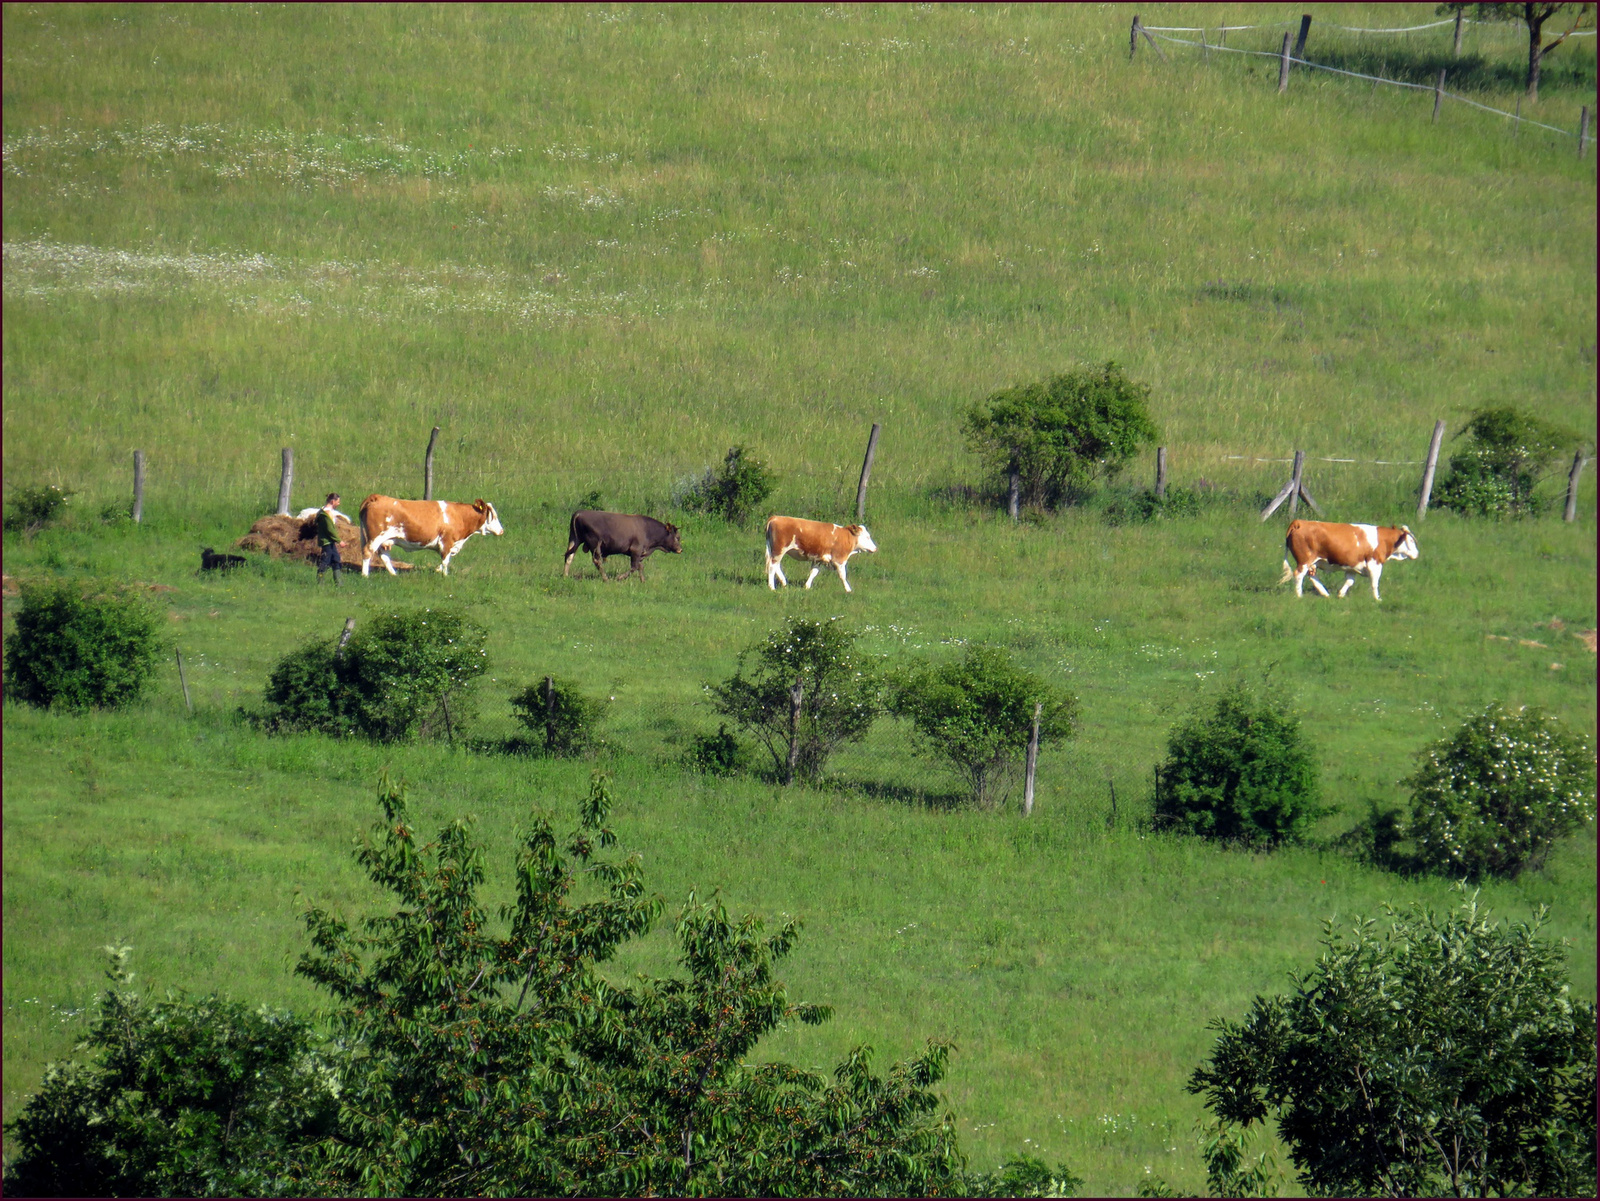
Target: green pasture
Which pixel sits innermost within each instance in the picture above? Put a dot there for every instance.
(598, 246)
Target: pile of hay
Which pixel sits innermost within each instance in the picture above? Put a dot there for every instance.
(296, 539)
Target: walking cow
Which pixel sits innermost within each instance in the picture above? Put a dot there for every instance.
(603, 534)
(414, 524)
(1362, 549)
(818, 541)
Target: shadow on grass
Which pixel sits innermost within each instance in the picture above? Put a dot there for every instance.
(1469, 73)
(904, 794)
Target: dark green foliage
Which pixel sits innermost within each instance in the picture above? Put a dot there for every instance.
(1230, 1169)
(35, 506)
(734, 491)
(502, 1063)
(115, 514)
(80, 651)
(977, 713)
(1063, 433)
(1508, 451)
(406, 675)
(1443, 1057)
(183, 1098)
(1491, 798)
(563, 721)
(1144, 505)
(1025, 1176)
(837, 694)
(718, 754)
(1239, 770)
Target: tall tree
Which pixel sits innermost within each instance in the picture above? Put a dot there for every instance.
(1533, 16)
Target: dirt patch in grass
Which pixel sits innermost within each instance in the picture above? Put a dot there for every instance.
(290, 537)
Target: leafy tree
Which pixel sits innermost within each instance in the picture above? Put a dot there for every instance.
(34, 506)
(734, 491)
(1240, 771)
(1494, 796)
(186, 1098)
(1508, 451)
(1054, 438)
(977, 714)
(80, 651)
(1533, 16)
(807, 692)
(406, 675)
(1441, 1057)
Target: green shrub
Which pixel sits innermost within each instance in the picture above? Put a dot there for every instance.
(1239, 771)
(837, 693)
(1442, 1057)
(718, 754)
(185, 1098)
(405, 676)
(34, 506)
(1508, 451)
(734, 491)
(977, 714)
(1144, 505)
(565, 723)
(1491, 799)
(1060, 435)
(82, 651)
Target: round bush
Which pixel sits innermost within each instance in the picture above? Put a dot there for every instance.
(564, 722)
(1240, 771)
(1491, 798)
(78, 651)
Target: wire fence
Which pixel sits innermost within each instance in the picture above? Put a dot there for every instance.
(1206, 45)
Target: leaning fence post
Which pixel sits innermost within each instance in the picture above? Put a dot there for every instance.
(1283, 65)
(285, 480)
(349, 628)
(1033, 759)
(1161, 473)
(797, 696)
(184, 681)
(1583, 129)
(1294, 482)
(1133, 37)
(427, 466)
(1300, 42)
(1438, 96)
(866, 473)
(1428, 469)
(138, 486)
(1578, 461)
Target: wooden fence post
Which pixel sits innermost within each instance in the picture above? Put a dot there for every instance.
(797, 696)
(285, 480)
(1222, 35)
(1161, 473)
(1033, 760)
(1294, 482)
(1294, 491)
(1578, 461)
(427, 466)
(1300, 42)
(1283, 65)
(1133, 37)
(349, 628)
(866, 473)
(1205, 46)
(1428, 469)
(184, 681)
(1456, 51)
(1438, 96)
(1516, 126)
(1583, 129)
(138, 486)
(1014, 501)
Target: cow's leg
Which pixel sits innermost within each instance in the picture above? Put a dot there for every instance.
(444, 564)
(636, 561)
(1349, 583)
(775, 571)
(1375, 570)
(1300, 578)
(600, 563)
(842, 580)
(380, 546)
(815, 567)
(566, 567)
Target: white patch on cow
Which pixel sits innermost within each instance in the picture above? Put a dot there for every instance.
(1315, 583)
(1374, 571)
(1370, 533)
(492, 526)
(444, 513)
(812, 576)
(1406, 548)
(865, 542)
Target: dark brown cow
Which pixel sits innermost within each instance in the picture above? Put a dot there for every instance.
(603, 534)
(819, 541)
(414, 524)
(1362, 549)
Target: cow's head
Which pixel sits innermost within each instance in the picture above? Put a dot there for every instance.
(863, 539)
(1405, 546)
(491, 519)
(672, 543)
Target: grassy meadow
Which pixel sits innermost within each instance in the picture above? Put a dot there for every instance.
(598, 246)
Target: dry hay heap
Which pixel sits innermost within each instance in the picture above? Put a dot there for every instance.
(290, 537)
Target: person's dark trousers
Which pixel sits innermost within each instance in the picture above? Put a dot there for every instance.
(330, 558)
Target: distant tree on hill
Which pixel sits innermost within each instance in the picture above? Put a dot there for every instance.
(1533, 16)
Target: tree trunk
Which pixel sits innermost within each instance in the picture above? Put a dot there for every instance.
(797, 696)
(1535, 53)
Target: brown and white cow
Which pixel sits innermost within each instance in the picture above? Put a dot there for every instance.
(818, 541)
(414, 524)
(1362, 549)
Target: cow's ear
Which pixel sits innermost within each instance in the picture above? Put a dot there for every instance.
(671, 528)
(481, 505)
(854, 529)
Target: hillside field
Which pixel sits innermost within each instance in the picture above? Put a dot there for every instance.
(600, 245)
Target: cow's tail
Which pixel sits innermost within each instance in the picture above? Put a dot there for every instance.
(1288, 553)
(362, 525)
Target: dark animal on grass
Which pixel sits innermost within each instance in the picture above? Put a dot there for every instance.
(211, 561)
(603, 534)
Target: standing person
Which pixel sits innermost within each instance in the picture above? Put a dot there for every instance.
(328, 539)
